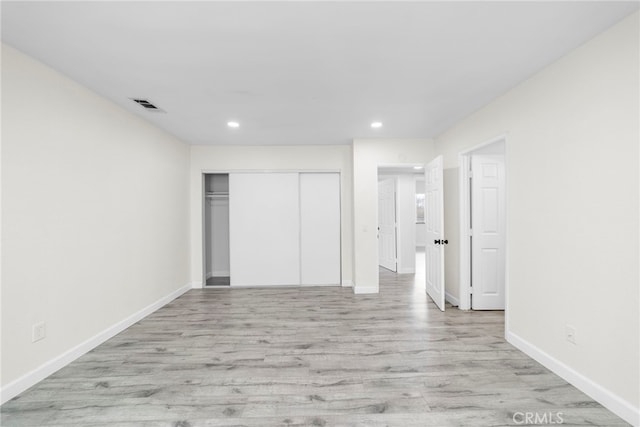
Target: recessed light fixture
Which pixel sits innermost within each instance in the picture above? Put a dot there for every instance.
(233, 124)
(376, 125)
(417, 167)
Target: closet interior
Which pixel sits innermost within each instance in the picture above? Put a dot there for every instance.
(216, 225)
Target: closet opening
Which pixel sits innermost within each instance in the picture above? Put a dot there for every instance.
(216, 230)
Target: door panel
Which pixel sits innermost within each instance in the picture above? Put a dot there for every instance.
(264, 229)
(320, 228)
(434, 219)
(488, 239)
(387, 224)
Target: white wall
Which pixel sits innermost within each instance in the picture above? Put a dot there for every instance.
(368, 155)
(94, 219)
(572, 207)
(270, 158)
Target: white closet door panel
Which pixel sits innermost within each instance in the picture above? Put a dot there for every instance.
(320, 228)
(264, 225)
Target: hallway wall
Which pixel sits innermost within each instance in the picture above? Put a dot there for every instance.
(572, 181)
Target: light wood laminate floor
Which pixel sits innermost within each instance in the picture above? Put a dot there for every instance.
(305, 356)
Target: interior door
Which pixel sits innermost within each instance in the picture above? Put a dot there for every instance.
(387, 224)
(434, 219)
(264, 229)
(488, 232)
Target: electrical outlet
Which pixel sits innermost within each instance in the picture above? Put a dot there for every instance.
(39, 331)
(570, 334)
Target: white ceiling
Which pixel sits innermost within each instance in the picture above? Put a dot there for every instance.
(303, 72)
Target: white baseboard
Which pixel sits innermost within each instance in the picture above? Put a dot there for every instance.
(452, 300)
(347, 283)
(365, 289)
(605, 397)
(19, 385)
(196, 285)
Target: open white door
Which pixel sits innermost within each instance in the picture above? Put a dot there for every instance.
(387, 224)
(434, 219)
(488, 236)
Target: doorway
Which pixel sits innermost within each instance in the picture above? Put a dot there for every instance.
(483, 227)
(398, 217)
(216, 230)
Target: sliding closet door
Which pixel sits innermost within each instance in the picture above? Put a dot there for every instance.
(320, 228)
(264, 223)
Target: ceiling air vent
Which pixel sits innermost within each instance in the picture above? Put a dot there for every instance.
(147, 105)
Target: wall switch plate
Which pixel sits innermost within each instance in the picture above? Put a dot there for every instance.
(570, 334)
(39, 331)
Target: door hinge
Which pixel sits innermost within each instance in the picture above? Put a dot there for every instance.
(470, 290)
(471, 232)
(470, 173)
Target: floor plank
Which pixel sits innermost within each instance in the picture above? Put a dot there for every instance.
(305, 357)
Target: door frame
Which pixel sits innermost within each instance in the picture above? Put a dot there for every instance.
(464, 158)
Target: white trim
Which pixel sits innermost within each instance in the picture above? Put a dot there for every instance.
(365, 290)
(229, 171)
(346, 283)
(452, 300)
(196, 285)
(464, 209)
(605, 397)
(463, 256)
(499, 138)
(19, 385)
(507, 311)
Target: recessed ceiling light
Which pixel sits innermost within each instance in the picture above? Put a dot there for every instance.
(376, 125)
(417, 167)
(233, 124)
